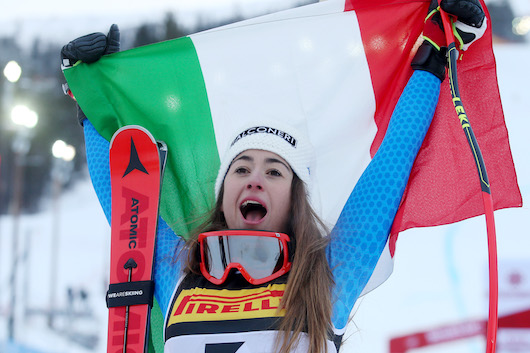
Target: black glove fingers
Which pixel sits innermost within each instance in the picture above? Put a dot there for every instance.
(91, 50)
(113, 40)
(91, 47)
(88, 48)
(469, 12)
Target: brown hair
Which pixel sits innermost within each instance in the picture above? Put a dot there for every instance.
(307, 297)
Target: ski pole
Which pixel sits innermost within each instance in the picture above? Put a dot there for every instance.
(129, 265)
(452, 56)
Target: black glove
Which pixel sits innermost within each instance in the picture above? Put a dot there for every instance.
(88, 49)
(91, 47)
(471, 20)
(469, 12)
(470, 26)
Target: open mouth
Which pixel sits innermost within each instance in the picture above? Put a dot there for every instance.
(253, 211)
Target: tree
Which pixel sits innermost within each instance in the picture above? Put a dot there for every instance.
(146, 34)
(173, 30)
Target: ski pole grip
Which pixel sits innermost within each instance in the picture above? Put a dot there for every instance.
(130, 293)
(447, 25)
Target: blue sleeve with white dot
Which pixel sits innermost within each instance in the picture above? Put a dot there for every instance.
(167, 267)
(361, 232)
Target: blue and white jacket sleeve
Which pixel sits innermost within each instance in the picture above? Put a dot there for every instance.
(362, 230)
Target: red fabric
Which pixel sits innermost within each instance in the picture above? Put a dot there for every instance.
(443, 186)
(382, 42)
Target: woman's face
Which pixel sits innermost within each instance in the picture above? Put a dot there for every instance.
(257, 192)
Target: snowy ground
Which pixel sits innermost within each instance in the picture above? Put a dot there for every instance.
(440, 274)
(82, 250)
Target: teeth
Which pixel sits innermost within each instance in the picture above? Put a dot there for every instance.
(250, 202)
(253, 210)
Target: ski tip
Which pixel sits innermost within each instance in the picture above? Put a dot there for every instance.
(132, 127)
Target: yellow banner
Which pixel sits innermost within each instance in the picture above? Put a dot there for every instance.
(201, 304)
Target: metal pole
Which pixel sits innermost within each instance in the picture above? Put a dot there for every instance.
(57, 186)
(18, 174)
(26, 276)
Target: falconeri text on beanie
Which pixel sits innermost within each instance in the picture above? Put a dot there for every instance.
(286, 141)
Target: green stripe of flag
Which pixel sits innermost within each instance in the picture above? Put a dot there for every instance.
(165, 94)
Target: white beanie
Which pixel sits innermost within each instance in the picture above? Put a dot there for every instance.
(286, 141)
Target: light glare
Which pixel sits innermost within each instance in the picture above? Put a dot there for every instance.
(521, 25)
(63, 151)
(23, 116)
(12, 71)
(69, 153)
(57, 148)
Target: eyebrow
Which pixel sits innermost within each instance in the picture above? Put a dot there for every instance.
(267, 160)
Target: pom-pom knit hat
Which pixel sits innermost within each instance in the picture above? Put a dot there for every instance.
(286, 141)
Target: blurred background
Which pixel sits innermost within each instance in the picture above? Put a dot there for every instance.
(54, 239)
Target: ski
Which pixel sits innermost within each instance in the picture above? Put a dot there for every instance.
(136, 168)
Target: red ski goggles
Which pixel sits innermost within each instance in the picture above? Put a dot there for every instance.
(260, 256)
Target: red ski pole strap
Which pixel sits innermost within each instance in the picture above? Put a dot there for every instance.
(130, 293)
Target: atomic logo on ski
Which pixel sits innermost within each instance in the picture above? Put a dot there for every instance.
(134, 161)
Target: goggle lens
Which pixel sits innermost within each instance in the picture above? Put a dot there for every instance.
(258, 255)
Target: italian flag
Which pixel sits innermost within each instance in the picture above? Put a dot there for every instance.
(334, 69)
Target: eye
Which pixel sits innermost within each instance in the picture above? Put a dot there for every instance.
(274, 172)
(241, 170)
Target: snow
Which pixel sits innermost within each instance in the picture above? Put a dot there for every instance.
(82, 248)
(440, 274)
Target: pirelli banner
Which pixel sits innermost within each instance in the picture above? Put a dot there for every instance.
(198, 305)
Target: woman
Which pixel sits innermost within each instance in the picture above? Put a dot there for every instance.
(264, 183)
(224, 300)
(261, 185)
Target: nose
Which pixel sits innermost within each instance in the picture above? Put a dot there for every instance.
(255, 182)
(254, 185)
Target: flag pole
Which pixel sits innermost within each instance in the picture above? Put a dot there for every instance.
(452, 56)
